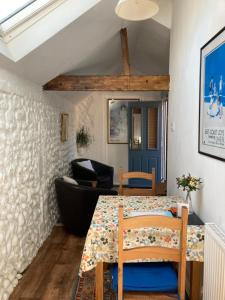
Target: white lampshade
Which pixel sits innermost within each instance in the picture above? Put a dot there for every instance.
(136, 10)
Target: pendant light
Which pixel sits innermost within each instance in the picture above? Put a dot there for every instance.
(136, 10)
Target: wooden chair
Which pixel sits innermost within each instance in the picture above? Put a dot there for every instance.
(126, 191)
(167, 254)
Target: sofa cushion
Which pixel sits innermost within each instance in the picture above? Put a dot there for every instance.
(70, 180)
(86, 164)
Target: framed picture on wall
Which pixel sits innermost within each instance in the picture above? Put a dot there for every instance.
(118, 120)
(212, 98)
(64, 127)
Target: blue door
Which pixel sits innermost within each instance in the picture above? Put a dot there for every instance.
(144, 131)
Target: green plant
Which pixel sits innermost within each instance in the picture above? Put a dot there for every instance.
(188, 183)
(83, 137)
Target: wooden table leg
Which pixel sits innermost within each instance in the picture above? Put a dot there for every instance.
(99, 286)
(196, 280)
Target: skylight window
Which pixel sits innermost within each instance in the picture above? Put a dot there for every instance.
(14, 12)
(28, 27)
(11, 7)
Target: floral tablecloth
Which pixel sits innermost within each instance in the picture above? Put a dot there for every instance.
(102, 244)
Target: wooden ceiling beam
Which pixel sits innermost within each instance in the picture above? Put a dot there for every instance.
(125, 51)
(108, 83)
(124, 82)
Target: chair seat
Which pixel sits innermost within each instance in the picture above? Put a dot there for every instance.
(148, 277)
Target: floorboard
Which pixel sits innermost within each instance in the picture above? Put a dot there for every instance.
(53, 272)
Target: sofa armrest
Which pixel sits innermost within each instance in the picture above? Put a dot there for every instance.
(91, 183)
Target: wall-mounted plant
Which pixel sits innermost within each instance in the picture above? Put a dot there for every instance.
(83, 137)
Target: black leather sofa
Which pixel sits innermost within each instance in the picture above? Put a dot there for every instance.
(102, 174)
(77, 204)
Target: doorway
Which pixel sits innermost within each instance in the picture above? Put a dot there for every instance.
(147, 122)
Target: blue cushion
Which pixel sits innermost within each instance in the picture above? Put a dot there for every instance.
(168, 213)
(155, 212)
(148, 277)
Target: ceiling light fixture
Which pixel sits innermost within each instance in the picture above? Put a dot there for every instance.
(136, 10)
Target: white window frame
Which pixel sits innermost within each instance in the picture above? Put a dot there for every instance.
(26, 17)
(15, 11)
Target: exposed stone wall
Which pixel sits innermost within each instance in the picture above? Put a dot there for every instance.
(31, 157)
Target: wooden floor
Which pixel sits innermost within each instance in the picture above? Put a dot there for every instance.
(53, 272)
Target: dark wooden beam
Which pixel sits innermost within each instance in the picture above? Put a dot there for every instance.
(108, 83)
(125, 51)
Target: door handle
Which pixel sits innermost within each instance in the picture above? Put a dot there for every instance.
(130, 143)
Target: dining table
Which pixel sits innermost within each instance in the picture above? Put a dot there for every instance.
(101, 245)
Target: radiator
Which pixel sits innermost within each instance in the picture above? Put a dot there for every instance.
(214, 263)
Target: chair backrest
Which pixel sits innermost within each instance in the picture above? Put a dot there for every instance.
(167, 254)
(126, 191)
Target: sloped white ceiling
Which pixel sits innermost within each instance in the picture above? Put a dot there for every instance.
(91, 45)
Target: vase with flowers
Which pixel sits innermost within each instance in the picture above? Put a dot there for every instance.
(188, 183)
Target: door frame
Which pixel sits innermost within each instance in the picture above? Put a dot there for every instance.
(144, 131)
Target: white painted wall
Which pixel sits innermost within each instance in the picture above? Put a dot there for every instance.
(164, 15)
(91, 111)
(31, 157)
(194, 23)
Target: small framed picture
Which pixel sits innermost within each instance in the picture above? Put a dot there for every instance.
(64, 127)
(212, 98)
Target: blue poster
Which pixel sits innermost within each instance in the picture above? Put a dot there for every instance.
(215, 80)
(214, 98)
